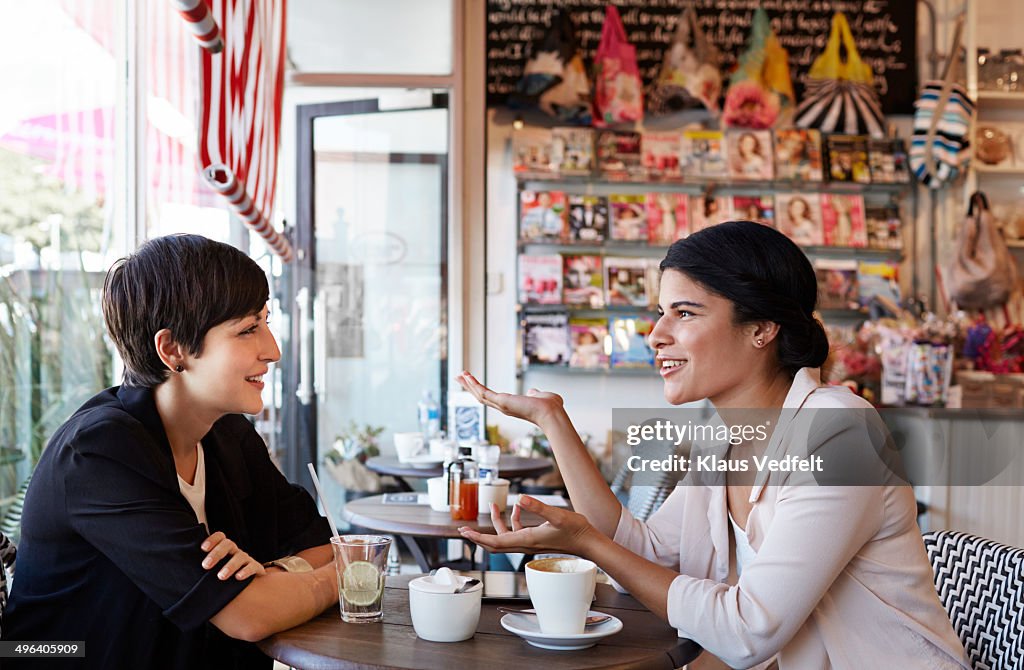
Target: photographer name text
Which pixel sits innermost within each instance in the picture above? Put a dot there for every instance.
(712, 463)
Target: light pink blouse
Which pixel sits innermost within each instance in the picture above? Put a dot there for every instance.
(840, 580)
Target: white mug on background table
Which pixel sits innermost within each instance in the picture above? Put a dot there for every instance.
(437, 491)
(408, 445)
(493, 491)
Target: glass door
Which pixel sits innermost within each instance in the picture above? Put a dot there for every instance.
(368, 289)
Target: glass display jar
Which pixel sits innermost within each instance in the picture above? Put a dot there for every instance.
(986, 76)
(463, 487)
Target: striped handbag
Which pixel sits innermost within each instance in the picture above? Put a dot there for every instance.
(940, 145)
(840, 97)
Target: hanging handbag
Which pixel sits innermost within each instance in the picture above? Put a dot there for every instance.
(940, 145)
(690, 75)
(840, 97)
(983, 273)
(554, 77)
(760, 91)
(618, 94)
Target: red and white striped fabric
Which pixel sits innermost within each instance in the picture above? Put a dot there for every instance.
(200, 23)
(240, 111)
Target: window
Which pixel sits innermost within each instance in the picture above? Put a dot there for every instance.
(61, 222)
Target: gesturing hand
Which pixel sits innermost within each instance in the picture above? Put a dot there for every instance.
(535, 406)
(562, 531)
(241, 564)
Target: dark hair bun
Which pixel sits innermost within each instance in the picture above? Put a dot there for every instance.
(802, 345)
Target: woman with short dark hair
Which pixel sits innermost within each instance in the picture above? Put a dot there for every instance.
(758, 570)
(154, 507)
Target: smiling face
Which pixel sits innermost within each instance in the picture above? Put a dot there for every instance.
(227, 377)
(701, 353)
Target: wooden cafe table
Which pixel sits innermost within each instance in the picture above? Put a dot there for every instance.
(414, 523)
(327, 643)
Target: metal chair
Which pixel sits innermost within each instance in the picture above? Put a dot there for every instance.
(981, 585)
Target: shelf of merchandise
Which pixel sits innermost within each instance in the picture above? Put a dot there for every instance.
(599, 185)
(609, 248)
(986, 101)
(608, 371)
(585, 312)
(640, 249)
(1000, 99)
(981, 168)
(587, 185)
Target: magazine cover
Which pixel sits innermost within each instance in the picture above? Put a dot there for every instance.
(798, 154)
(532, 152)
(878, 279)
(660, 154)
(760, 208)
(629, 342)
(884, 227)
(703, 153)
(546, 338)
(582, 281)
(842, 220)
(540, 279)
(848, 158)
(589, 342)
(798, 216)
(573, 150)
(750, 154)
(837, 283)
(626, 282)
(588, 218)
(888, 160)
(668, 217)
(541, 216)
(705, 212)
(618, 155)
(653, 281)
(629, 218)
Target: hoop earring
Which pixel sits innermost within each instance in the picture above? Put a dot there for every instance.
(179, 368)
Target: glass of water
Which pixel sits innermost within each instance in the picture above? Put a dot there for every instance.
(361, 562)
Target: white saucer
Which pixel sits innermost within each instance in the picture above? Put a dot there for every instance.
(528, 628)
(424, 461)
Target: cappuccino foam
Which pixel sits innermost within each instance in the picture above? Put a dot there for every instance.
(556, 564)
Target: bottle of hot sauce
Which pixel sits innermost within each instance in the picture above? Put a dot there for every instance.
(463, 486)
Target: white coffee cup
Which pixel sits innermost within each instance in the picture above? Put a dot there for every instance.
(438, 615)
(561, 590)
(408, 445)
(439, 447)
(493, 491)
(437, 491)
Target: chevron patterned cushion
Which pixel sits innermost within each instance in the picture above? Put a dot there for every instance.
(981, 585)
(8, 552)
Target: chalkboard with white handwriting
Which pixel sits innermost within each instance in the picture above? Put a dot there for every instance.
(885, 31)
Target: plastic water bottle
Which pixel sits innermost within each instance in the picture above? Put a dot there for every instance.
(430, 416)
(487, 456)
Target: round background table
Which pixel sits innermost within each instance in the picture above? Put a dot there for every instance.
(400, 519)
(327, 643)
(509, 467)
(418, 526)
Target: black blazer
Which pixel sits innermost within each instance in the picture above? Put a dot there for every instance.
(109, 551)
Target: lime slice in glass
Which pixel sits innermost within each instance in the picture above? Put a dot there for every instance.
(361, 583)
